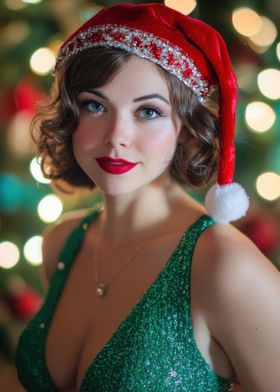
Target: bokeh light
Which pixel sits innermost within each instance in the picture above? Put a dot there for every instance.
(32, 1)
(35, 169)
(246, 21)
(9, 254)
(269, 83)
(50, 208)
(42, 61)
(267, 34)
(246, 77)
(54, 45)
(186, 7)
(11, 193)
(268, 186)
(18, 139)
(278, 51)
(14, 32)
(259, 116)
(15, 5)
(33, 250)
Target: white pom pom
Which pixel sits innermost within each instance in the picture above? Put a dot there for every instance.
(226, 203)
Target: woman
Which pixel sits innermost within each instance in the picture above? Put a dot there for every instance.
(148, 293)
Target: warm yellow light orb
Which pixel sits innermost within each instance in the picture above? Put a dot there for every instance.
(278, 51)
(185, 7)
(259, 116)
(42, 61)
(268, 186)
(18, 135)
(33, 250)
(246, 21)
(267, 34)
(269, 83)
(9, 254)
(14, 32)
(50, 208)
(32, 1)
(14, 5)
(35, 169)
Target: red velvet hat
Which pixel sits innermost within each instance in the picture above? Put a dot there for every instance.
(192, 51)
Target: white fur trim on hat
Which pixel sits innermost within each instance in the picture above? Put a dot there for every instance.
(226, 203)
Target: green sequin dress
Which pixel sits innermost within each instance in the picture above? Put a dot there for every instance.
(153, 349)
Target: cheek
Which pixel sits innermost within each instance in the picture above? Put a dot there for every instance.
(162, 143)
(84, 137)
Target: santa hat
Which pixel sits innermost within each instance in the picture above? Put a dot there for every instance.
(192, 51)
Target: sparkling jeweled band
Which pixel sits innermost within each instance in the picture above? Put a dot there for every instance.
(146, 45)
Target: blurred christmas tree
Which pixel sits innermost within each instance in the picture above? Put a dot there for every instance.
(30, 34)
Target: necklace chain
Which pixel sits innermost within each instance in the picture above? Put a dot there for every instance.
(102, 287)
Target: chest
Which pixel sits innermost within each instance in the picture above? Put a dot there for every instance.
(83, 323)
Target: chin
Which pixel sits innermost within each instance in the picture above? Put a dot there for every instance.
(121, 188)
(125, 185)
(118, 190)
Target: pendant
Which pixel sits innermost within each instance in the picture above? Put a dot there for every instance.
(101, 290)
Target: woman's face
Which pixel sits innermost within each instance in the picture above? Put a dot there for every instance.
(127, 134)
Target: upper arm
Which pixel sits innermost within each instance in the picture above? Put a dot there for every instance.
(244, 313)
(54, 238)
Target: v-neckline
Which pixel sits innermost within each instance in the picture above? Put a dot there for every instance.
(89, 220)
(132, 311)
(155, 281)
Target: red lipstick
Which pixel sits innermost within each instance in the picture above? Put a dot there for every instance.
(115, 165)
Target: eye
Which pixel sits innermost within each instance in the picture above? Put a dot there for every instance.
(149, 113)
(92, 106)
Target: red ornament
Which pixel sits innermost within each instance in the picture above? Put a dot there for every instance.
(27, 95)
(7, 105)
(263, 230)
(24, 304)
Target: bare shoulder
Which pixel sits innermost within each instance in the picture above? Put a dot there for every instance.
(229, 248)
(228, 258)
(240, 295)
(54, 238)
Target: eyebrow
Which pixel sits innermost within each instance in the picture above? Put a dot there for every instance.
(150, 96)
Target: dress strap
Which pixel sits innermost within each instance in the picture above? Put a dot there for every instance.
(190, 240)
(198, 227)
(65, 261)
(74, 240)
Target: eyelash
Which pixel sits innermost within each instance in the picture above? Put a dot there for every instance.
(84, 104)
(152, 108)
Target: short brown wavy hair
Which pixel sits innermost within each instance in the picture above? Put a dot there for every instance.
(195, 160)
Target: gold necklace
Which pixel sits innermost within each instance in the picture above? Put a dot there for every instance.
(102, 287)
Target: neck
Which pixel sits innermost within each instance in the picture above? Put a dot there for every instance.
(139, 214)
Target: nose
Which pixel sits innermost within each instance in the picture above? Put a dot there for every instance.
(117, 134)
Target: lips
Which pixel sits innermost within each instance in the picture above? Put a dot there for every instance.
(115, 165)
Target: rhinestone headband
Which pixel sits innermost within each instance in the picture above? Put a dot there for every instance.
(145, 45)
